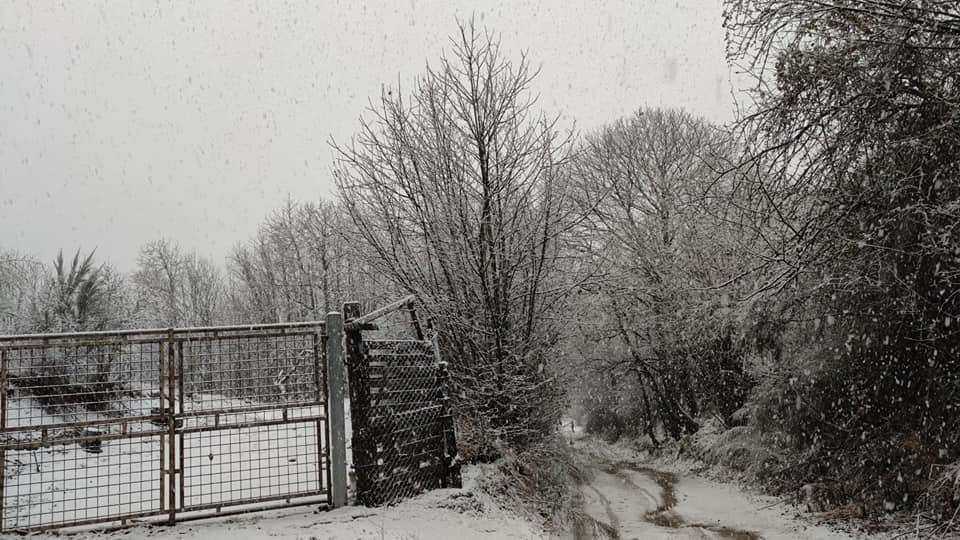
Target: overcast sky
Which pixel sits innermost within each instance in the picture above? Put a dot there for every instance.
(124, 122)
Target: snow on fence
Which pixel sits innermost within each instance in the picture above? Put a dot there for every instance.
(119, 426)
(403, 437)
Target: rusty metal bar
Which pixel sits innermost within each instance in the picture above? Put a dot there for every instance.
(45, 338)
(251, 409)
(161, 365)
(253, 500)
(3, 427)
(174, 416)
(47, 441)
(319, 390)
(171, 430)
(357, 322)
(225, 337)
(162, 332)
(253, 424)
(88, 423)
(81, 523)
(66, 343)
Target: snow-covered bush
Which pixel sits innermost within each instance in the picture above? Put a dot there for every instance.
(605, 423)
(541, 478)
(854, 135)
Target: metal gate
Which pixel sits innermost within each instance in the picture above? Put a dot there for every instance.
(166, 425)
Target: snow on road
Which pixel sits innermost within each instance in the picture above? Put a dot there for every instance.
(627, 500)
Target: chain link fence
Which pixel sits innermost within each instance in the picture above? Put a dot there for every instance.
(403, 438)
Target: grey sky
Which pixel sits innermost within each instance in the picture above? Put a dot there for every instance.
(123, 122)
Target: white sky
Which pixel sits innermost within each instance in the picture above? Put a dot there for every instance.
(124, 122)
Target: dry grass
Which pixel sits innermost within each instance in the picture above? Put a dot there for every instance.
(541, 480)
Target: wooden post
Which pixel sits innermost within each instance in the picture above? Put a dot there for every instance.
(448, 442)
(337, 444)
(359, 381)
(417, 329)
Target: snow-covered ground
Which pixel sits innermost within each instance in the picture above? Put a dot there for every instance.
(64, 483)
(459, 514)
(641, 501)
(626, 497)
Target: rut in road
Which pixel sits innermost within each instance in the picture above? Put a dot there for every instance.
(639, 502)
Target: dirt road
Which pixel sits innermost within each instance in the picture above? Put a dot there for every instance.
(626, 500)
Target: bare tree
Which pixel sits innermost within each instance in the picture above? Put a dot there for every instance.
(21, 279)
(158, 279)
(299, 266)
(657, 224)
(457, 188)
(177, 289)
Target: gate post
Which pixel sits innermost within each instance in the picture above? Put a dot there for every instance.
(362, 445)
(335, 416)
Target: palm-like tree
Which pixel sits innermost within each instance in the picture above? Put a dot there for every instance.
(77, 295)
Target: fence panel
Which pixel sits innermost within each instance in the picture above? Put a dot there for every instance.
(403, 433)
(79, 434)
(117, 426)
(254, 417)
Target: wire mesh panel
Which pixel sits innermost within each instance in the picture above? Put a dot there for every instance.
(242, 371)
(253, 417)
(88, 481)
(112, 426)
(252, 464)
(403, 444)
(79, 434)
(63, 382)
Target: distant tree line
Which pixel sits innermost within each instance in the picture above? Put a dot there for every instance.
(299, 266)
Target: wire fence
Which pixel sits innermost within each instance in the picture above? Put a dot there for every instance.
(176, 424)
(120, 426)
(403, 439)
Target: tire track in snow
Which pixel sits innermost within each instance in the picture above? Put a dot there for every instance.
(614, 522)
(638, 502)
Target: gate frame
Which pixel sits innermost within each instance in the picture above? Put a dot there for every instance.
(169, 343)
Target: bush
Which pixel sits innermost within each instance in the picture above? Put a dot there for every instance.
(869, 417)
(56, 392)
(605, 423)
(540, 478)
(943, 495)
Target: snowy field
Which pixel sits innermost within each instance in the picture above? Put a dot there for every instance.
(64, 483)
